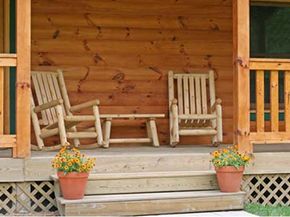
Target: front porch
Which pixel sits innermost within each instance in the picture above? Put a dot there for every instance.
(145, 169)
(125, 65)
(121, 52)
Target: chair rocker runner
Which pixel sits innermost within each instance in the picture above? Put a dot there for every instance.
(52, 113)
(193, 107)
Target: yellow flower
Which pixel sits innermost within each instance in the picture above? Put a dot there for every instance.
(216, 154)
(246, 158)
(69, 164)
(66, 167)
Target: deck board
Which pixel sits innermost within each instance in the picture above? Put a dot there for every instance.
(273, 159)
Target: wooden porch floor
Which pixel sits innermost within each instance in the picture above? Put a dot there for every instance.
(268, 159)
(6, 153)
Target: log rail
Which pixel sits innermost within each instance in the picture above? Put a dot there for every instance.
(277, 131)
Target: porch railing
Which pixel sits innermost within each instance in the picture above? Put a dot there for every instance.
(270, 109)
(20, 143)
(6, 141)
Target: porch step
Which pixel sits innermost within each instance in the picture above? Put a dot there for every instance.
(152, 203)
(116, 183)
(161, 159)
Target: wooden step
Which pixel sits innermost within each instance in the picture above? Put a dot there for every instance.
(112, 183)
(152, 203)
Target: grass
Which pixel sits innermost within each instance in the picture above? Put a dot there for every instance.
(261, 210)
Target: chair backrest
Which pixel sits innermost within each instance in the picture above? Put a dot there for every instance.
(46, 87)
(195, 92)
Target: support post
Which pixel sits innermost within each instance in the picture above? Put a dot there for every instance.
(241, 54)
(23, 47)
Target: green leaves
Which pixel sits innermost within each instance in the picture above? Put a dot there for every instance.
(229, 157)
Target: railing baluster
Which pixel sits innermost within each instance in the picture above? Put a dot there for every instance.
(287, 100)
(260, 101)
(274, 101)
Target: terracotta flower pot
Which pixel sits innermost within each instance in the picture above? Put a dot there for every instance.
(229, 178)
(73, 185)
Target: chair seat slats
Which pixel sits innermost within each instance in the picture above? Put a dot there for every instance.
(197, 132)
(198, 117)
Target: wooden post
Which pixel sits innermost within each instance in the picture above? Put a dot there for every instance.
(241, 49)
(23, 47)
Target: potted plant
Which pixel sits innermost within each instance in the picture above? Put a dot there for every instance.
(72, 170)
(229, 165)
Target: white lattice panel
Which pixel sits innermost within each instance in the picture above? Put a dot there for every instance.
(27, 197)
(271, 189)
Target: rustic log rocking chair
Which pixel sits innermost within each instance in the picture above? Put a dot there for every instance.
(193, 108)
(52, 113)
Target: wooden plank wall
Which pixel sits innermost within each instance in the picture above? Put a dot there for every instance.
(121, 50)
(1, 26)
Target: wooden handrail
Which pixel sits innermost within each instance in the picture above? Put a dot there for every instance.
(269, 64)
(8, 60)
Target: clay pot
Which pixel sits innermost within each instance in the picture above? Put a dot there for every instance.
(229, 178)
(73, 185)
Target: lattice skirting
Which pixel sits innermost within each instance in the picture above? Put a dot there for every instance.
(268, 189)
(27, 197)
(36, 197)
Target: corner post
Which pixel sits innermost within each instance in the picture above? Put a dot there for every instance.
(23, 48)
(241, 55)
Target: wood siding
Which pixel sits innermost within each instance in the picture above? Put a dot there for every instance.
(1, 26)
(120, 52)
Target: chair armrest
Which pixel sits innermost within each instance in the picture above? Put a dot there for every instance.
(173, 103)
(48, 105)
(85, 105)
(218, 102)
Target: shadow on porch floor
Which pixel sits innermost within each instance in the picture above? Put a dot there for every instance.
(139, 149)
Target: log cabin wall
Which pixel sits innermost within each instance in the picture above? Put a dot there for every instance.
(121, 50)
(1, 26)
